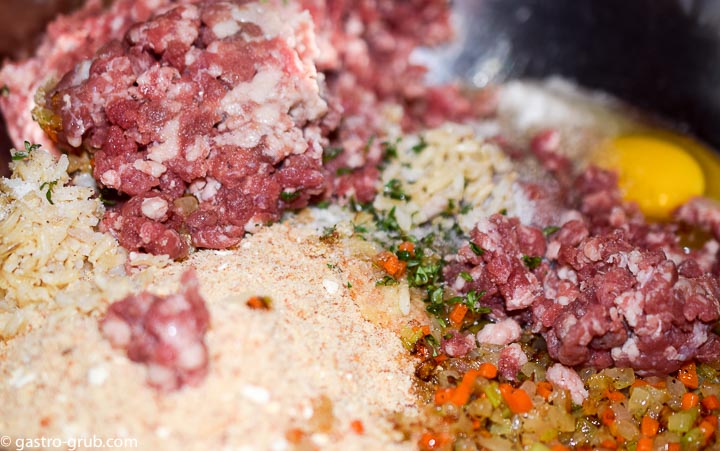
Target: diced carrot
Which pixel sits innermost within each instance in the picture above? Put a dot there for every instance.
(711, 402)
(425, 330)
(689, 400)
(430, 441)
(357, 427)
(488, 370)
(294, 435)
(607, 416)
(708, 428)
(673, 447)
(609, 444)
(649, 426)
(614, 395)
(407, 246)
(660, 385)
(516, 399)
(441, 358)
(559, 447)
(688, 375)
(391, 264)
(713, 419)
(644, 444)
(458, 313)
(462, 392)
(639, 383)
(443, 395)
(544, 389)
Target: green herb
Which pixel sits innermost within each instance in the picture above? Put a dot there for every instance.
(289, 196)
(393, 190)
(386, 282)
(48, 193)
(433, 343)
(5, 91)
(466, 276)
(330, 265)
(23, 154)
(323, 204)
(549, 230)
(420, 146)
(403, 255)
(349, 285)
(531, 262)
(503, 212)
(389, 222)
(471, 301)
(329, 234)
(359, 229)
(343, 171)
(107, 202)
(330, 153)
(477, 250)
(465, 208)
(369, 144)
(391, 150)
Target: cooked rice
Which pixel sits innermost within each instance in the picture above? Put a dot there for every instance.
(445, 169)
(52, 255)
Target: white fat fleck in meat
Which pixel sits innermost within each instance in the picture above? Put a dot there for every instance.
(629, 349)
(523, 295)
(110, 179)
(631, 304)
(553, 250)
(515, 352)
(154, 207)
(199, 149)
(272, 24)
(261, 89)
(167, 149)
(117, 331)
(501, 333)
(204, 190)
(566, 273)
(246, 138)
(150, 168)
(225, 28)
(566, 378)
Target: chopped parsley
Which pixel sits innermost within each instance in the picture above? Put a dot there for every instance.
(386, 281)
(549, 230)
(420, 146)
(391, 150)
(466, 276)
(389, 222)
(323, 204)
(369, 144)
(48, 193)
(393, 190)
(289, 196)
(343, 171)
(329, 235)
(330, 153)
(5, 91)
(531, 262)
(477, 250)
(24, 154)
(503, 212)
(349, 285)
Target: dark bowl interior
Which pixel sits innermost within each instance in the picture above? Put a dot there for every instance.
(662, 56)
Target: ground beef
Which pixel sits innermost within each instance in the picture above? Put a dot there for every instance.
(231, 103)
(218, 99)
(611, 289)
(165, 333)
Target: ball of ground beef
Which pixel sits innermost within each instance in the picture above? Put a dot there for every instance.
(219, 101)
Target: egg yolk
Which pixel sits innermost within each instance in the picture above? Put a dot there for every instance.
(657, 174)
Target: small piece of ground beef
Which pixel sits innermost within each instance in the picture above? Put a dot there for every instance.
(167, 333)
